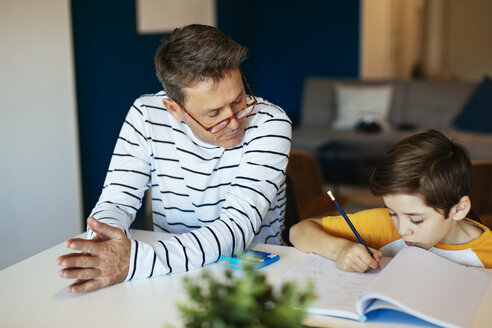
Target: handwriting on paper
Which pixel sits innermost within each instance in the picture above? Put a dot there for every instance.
(336, 289)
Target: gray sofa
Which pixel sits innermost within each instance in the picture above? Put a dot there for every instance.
(417, 104)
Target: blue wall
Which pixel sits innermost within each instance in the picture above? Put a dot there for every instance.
(287, 41)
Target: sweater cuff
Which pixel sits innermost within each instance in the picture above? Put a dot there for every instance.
(141, 260)
(133, 258)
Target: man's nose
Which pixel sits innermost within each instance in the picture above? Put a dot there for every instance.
(233, 123)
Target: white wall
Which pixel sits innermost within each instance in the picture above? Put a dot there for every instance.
(40, 194)
(163, 16)
(468, 38)
(408, 36)
(376, 39)
(456, 40)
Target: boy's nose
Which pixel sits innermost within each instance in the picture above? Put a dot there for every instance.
(404, 229)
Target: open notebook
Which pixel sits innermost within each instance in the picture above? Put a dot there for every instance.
(416, 282)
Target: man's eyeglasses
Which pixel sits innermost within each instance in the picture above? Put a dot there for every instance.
(241, 113)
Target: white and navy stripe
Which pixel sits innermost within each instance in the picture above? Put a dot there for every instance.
(216, 200)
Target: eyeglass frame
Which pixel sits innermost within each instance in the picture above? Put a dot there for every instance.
(228, 119)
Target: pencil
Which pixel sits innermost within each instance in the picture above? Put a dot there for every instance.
(348, 221)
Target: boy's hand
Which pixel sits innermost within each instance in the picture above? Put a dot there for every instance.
(354, 257)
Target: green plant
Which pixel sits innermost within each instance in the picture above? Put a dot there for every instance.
(243, 300)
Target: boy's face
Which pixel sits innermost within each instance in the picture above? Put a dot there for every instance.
(418, 224)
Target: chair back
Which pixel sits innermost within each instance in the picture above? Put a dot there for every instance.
(291, 216)
(481, 195)
(306, 175)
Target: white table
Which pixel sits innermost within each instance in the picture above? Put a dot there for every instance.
(32, 295)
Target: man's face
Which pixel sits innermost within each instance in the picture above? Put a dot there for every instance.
(211, 103)
(418, 224)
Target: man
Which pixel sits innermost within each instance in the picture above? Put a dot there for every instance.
(214, 156)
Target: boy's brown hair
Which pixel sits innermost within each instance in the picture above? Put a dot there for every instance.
(195, 53)
(427, 164)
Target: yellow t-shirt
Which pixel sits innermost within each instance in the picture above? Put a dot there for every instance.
(377, 230)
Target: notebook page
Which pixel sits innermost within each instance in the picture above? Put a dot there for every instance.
(431, 287)
(337, 290)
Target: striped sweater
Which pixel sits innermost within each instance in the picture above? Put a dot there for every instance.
(215, 200)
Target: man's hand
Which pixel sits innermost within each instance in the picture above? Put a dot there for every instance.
(354, 257)
(101, 262)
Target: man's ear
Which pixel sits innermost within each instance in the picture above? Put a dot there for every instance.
(173, 109)
(461, 209)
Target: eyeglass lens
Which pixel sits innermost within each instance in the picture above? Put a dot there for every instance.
(239, 115)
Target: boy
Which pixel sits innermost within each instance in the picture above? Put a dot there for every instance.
(425, 182)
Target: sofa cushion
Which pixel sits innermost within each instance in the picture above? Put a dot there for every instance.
(476, 114)
(434, 104)
(317, 103)
(353, 103)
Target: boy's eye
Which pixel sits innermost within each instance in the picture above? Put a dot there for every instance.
(392, 214)
(416, 221)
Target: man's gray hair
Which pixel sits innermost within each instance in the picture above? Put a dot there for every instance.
(195, 53)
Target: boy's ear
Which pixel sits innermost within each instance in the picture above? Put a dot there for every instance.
(461, 209)
(173, 109)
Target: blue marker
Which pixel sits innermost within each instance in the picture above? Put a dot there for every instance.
(258, 259)
(348, 221)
